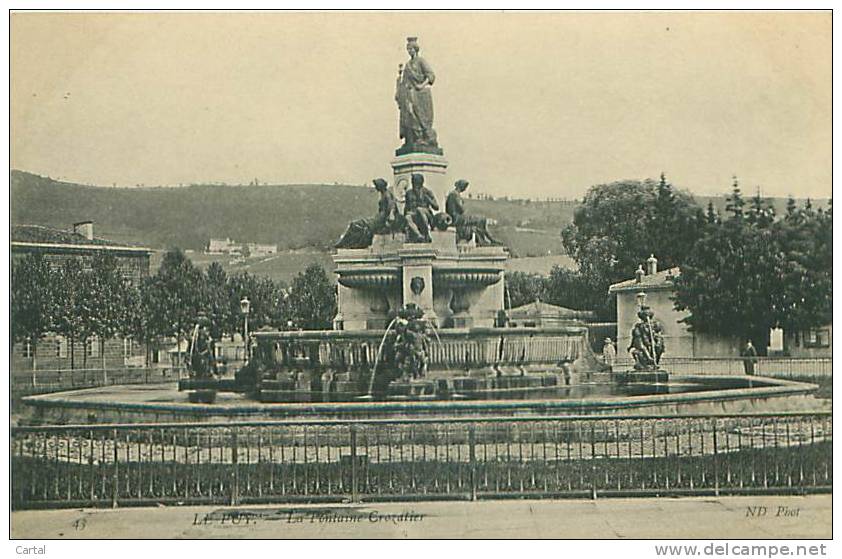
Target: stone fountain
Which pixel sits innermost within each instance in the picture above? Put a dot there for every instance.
(413, 255)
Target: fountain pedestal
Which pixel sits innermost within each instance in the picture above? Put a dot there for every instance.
(456, 285)
(432, 166)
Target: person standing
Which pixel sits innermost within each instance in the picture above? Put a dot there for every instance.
(749, 358)
(609, 352)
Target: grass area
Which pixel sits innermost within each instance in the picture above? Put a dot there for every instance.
(533, 242)
(283, 266)
(539, 264)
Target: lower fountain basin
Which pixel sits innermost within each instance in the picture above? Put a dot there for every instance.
(686, 395)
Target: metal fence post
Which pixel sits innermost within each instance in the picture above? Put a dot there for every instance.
(593, 461)
(235, 458)
(115, 473)
(354, 474)
(715, 461)
(90, 466)
(472, 443)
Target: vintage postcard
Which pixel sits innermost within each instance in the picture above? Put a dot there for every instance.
(425, 275)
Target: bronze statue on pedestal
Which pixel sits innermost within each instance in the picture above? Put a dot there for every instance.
(468, 226)
(388, 220)
(647, 341)
(415, 102)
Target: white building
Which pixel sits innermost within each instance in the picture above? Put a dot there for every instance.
(222, 246)
(655, 289)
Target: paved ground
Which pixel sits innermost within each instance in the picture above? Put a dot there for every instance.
(723, 517)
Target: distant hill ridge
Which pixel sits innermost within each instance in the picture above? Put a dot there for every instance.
(292, 216)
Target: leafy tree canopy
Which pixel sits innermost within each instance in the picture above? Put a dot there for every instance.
(750, 272)
(619, 225)
(312, 299)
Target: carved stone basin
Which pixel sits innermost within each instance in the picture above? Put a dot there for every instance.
(370, 278)
(466, 277)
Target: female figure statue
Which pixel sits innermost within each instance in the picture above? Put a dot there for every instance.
(415, 102)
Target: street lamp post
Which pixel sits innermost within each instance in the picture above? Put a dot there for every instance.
(245, 307)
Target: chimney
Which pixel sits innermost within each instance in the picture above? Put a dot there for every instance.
(651, 265)
(638, 274)
(84, 228)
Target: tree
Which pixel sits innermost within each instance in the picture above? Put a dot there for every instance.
(136, 314)
(619, 225)
(32, 301)
(105, 295)
(175, 296)
(92, 292)
(711, 215)
(217, 297)
(312, 299)
(523, 288)
(568, 288)
(68, 302)
(734, 203)
(750, 273)
(266, 301)
(760, 212)
(806, 240)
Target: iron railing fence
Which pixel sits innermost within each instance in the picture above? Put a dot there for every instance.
(779, 367)
(465, 458)
(25, 383)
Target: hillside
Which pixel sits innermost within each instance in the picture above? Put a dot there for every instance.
(292, 216)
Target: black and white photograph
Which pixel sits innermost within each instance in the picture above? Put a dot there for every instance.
(426, 275)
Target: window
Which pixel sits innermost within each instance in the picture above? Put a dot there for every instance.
(817, 337)
(61, 347)
(27, 351)
(92, 347)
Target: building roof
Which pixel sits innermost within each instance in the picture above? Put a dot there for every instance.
(541, 309)
(38, 235)
(658, 280)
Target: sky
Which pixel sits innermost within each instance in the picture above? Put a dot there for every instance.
(526, 104)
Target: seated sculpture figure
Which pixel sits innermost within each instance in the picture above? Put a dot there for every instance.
(467, 226)
(647, 341)
(419, 205)
(388, 220)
